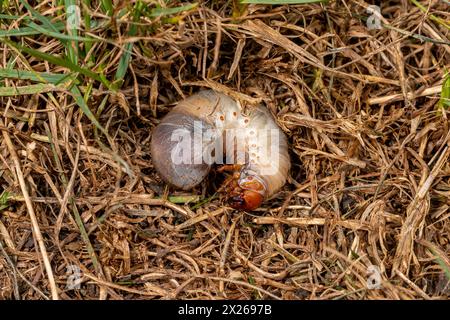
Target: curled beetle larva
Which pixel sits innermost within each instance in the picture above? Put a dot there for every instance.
(209, 127)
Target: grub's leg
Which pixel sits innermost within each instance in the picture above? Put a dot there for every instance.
(228, 184)
(229, 168)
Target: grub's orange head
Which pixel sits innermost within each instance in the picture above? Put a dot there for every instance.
(250, 196)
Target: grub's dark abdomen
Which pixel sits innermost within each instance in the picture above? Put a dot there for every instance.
(167, 154)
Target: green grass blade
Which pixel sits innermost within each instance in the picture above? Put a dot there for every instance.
(45, 21)
(444, 267)
(444, 102)
(58, 35)
(424, 9)
(107, 7)
(45, 77)
(48, 28)
(58, 61)
(87, 27)
(79, 99)
(158, 12)
(126, 55)
(13, 17)
(4, 200)
(441, 263)
(27, 31)
(30, 89)
(72, 18)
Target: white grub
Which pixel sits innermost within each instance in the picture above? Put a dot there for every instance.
(212, 121)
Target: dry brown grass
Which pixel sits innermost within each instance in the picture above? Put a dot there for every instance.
(370, 183)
